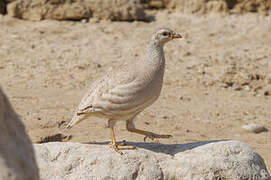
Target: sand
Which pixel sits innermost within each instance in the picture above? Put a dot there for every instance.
(217, 78)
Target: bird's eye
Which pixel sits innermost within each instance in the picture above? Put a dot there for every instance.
(165, 34)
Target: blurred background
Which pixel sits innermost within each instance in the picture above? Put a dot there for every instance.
(217, 83)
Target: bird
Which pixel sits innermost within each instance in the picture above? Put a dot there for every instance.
(122, 93)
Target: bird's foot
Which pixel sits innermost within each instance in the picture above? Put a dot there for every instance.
(156, 137)
(119, 147)
(122, 146)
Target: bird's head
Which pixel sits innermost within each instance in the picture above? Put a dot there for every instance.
(164, 35)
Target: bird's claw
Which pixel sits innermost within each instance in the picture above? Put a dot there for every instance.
(121, 146)
(150, 137)
(115, 147)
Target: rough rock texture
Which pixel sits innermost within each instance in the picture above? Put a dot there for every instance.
(154, 3)
(247, 77)
(261, 6)
(236, 6)
(202, 160)
(124, 10)
(17, 159)
(198, 6)
(2, 7)
(119, 10)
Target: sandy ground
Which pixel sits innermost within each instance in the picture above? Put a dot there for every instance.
(215, 82)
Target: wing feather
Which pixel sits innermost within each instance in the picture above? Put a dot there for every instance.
(125, 93)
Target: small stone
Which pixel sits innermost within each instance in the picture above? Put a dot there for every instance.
(267, 90)
(236, 87)
(185, 98)
(187, 53)
(255, 128)
(81, 67)
(246, 88)
(156, 4)
(54, 138)
(84, 20)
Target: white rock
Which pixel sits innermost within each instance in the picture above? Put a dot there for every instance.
(255, 128)
(202, 160)
(17, 159)
(84, 20)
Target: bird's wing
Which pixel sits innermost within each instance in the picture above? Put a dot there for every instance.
(113, 95)
(122, 94)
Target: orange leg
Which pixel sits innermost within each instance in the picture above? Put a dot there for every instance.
(130, 127)
(118, 147)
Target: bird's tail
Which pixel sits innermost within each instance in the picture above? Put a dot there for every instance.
(75, 120)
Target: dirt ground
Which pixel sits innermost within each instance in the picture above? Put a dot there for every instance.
(217, 79)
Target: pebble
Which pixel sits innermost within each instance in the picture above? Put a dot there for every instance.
(267, 90)
(84, 20)
(147, 123)
(246, 88)
(255, 128)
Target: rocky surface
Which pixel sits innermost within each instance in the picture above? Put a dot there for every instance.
(17, 159)
(116, 10)
(201, 160)
(198, 6)
(123, 10)
(232, 6)
(157, 4)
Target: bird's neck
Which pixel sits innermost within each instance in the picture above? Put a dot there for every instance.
(155, 56)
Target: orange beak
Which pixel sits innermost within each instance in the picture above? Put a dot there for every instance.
(176, 35)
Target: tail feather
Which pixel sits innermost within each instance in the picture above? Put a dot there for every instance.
(75, 120)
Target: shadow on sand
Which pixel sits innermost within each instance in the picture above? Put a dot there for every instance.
(170, 149)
